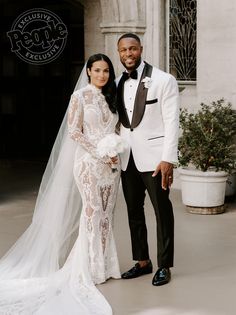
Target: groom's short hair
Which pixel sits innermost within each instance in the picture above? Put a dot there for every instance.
(128, 35)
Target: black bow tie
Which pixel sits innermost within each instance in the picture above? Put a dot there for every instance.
(133, 75)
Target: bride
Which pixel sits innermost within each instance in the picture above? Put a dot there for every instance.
(69, 247)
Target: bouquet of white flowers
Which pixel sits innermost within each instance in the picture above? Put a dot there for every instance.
(111, 145)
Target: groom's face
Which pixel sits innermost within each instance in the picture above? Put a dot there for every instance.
(130, 52)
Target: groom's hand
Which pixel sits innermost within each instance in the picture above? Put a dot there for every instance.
(166, 170)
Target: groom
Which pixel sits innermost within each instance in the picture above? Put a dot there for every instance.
(148, 106)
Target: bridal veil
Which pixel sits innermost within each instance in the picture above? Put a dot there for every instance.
(31, 278)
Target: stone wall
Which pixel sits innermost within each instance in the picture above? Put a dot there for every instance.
(216, 50)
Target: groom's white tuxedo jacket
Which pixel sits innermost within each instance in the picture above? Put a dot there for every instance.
(152, 133)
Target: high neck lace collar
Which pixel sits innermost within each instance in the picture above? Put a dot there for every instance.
(93, 87)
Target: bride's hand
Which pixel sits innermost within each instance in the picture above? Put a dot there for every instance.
(114, 160)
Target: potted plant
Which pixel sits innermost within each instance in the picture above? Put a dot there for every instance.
(206, 155)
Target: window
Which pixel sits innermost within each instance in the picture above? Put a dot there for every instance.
(181, 39)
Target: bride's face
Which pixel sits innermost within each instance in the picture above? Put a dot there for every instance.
(99, 73)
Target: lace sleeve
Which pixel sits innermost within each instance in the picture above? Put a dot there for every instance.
(75, 125)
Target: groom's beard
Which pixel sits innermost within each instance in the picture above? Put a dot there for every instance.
(135, 66)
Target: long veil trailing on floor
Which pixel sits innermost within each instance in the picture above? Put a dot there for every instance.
(34, 278)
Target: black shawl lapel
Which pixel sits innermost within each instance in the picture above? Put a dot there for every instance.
(123, 117)
(140, 98)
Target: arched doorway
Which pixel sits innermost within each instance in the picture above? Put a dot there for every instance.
(34, 98)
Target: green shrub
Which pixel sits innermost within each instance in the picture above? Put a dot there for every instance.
(207, 140)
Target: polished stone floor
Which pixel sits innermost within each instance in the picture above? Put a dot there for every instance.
(204, 276)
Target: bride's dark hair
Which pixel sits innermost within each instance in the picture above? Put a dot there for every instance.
(109, 89)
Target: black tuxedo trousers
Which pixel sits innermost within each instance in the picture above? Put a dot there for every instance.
(135, 184)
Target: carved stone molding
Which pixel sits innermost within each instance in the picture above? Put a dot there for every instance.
(119, 16)
(122, 28)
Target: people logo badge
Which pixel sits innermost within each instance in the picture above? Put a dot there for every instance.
(38, 36)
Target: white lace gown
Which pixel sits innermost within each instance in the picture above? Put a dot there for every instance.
(93, 258)
(90, 120)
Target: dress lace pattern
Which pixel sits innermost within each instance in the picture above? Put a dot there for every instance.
(93, 258)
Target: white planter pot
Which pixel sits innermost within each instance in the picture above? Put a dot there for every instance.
(202, 189)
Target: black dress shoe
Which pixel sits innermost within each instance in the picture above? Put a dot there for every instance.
(137, 271)
(162, 276)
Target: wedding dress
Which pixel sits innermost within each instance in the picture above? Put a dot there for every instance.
(37, 275)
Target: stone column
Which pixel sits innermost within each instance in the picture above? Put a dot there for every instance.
(119, 17)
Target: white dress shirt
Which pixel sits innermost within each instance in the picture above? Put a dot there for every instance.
(130, 89)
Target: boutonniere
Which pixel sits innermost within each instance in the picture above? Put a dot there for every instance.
(147, 82)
